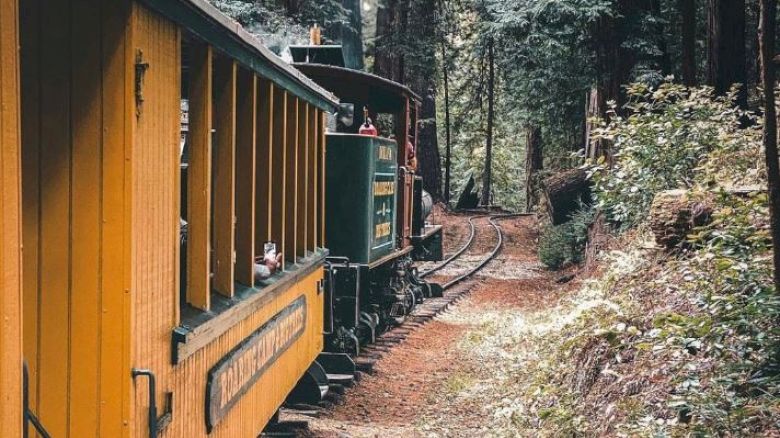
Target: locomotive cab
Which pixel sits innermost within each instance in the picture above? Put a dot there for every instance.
(377, 210)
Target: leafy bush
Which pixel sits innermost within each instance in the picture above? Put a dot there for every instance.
(557, 246)
(671, 134)
(562, 244)
(729, 278)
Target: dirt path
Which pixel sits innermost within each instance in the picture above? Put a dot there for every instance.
(433, 384)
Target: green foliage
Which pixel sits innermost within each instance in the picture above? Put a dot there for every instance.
(699, 328)
(277, 26)
(547, 63)
(663, 144)
(562, 244)
(729, 278)
(558, 246)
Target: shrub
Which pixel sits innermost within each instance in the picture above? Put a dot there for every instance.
(557, 246)
(672, 138)
(562, 244)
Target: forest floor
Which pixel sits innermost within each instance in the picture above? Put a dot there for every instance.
(446, 379)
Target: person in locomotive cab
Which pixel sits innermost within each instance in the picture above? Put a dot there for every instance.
(412, 158)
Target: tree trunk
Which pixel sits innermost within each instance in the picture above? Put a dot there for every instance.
(534, 162)
(448, 150)
(386, 61)
(419, 69)
(487, 176)
(674, 215)
(428, 145)
(687, 10)
(292, 7)
(614, 63)
(726, 62)
(564, 192)
(767, 24)
(352, 35)
(595, 108)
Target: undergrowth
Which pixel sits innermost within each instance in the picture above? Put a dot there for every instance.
(691, 343)
(662, 343)
(564, 244)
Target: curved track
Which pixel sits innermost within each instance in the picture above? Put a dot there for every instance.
(469, 242)
(429, 309)
(459, 252)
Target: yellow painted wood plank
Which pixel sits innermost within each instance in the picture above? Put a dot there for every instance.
(10, 226)
(291, 179)
(246, 156)
(86, 206)
(277, 206)
(302, 180)
(224, 174)
(155, 207)
(199, 176)
(118, 115)
(266, 95)
(30, 98)
(311, 180)
(55, 171)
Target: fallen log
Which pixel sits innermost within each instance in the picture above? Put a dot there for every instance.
(564, 193)
(674, 214)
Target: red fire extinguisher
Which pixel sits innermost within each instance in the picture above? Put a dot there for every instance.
(367, 128)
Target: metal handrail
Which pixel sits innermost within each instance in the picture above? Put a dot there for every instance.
(28, 415)
(152, 398)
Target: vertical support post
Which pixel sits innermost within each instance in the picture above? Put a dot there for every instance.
(224, 174)
(277, 207)
(246, 176)
(266, 96)
(303, 180)
(10, 226)
(291, 185)
(199, 177)
(311, 180)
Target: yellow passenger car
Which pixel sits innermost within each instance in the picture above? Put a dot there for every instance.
(125, 331)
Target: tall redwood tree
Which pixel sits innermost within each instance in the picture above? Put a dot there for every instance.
(487, 176)
(726, 59)
(687, 9)
(766, 29)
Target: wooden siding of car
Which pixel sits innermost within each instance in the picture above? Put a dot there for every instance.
(76, 118)
(10, 226)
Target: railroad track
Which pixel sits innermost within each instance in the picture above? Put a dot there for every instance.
(459, 252)
(492, 220)
(423, 313)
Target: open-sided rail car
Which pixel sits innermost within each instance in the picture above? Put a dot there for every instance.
(376, 224)
(91, 94)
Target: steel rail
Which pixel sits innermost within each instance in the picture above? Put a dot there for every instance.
(460, 251)
(492, 220)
